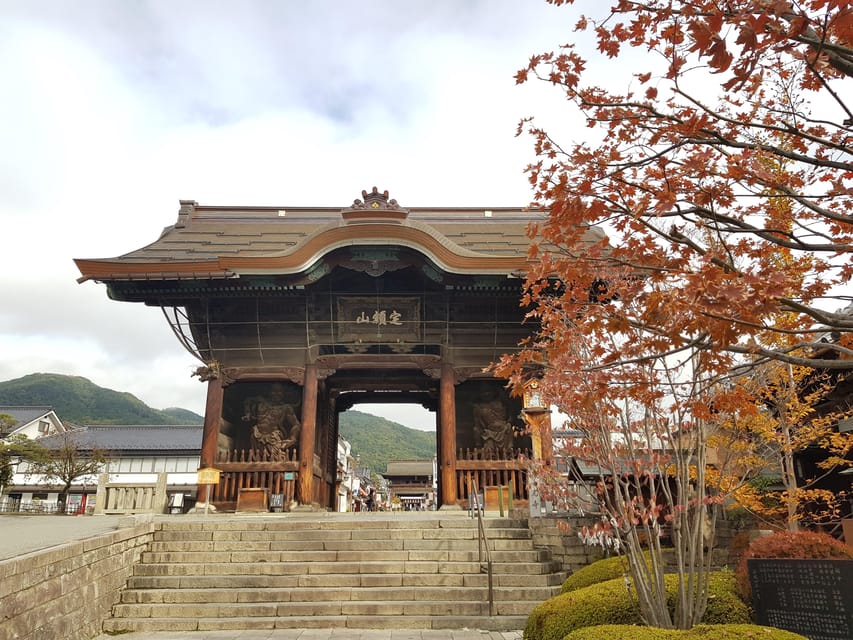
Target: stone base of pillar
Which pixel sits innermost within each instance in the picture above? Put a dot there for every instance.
(306, 508)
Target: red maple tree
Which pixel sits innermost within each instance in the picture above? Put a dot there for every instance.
(721, 176)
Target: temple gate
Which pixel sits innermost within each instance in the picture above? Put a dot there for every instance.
(300, 313)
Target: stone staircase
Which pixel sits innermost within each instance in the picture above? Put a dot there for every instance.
(365, 570)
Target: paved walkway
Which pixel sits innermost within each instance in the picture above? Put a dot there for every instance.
(324, 634)
(20, 534)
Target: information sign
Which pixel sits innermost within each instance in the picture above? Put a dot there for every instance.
(208, 475)
(809, 597)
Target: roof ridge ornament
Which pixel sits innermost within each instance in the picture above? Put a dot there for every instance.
(185, 213)
(375, 207)
(375, 200)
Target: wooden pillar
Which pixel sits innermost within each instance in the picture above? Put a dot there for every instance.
(210, 434)
(447, 441)
(307, 436)
(539, 424)
(335, 430)
(547, 440)
(537, 417)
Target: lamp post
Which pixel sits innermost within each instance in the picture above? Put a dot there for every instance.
(537, 418)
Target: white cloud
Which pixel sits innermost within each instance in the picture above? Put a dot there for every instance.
(114, 111)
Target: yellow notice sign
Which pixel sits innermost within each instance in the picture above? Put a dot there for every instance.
(208, 475)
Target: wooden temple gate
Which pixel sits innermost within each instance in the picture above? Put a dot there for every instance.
(297, 314)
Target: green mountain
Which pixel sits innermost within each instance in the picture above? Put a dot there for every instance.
(377, 440)
(80, 401)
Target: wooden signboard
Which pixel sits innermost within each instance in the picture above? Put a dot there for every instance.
(383, 319)
(208, 475)
(253, 499)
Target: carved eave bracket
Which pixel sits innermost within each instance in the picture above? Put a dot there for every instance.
(214, 371)
(460, 374)
(422, 362)
(375, 207)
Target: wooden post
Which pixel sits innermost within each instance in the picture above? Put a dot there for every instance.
(210, 435)
(447, 441)
(547, 439)
(539, 424)
(307, 436)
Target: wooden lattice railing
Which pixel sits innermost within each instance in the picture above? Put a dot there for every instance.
(492, 468)
(253, 469)
(253, 455)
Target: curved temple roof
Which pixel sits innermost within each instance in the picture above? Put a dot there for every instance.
(223, 242)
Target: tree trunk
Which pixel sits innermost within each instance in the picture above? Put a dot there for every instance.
(788, 471)
(62, 500)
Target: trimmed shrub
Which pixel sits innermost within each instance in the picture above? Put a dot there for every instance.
(598, 571)
(790, 544)
(601, 571)
(609, 603)
(603, 603)
(623, 632)
(724, 604)
(701, 632)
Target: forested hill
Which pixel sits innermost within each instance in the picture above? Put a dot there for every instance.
(78, 400)
(377, 440)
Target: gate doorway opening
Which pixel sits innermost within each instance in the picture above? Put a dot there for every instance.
(393, 451)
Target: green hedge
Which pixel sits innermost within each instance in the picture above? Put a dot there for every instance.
(699, 632)
(725, 606)
(599, 571)
(608, 603)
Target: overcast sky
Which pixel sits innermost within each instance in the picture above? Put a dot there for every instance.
(114, 110)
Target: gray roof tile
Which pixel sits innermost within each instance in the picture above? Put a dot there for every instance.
(135, 438)
(23, 415)
(409, 468)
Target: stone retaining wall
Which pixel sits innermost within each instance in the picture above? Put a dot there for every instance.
(550, 532)
(67, 591)
(564, 544)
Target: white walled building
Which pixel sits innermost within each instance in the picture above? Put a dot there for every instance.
(32, 422)
(135, 454)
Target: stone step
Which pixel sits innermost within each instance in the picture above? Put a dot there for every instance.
(338, 568)
(250, 535)
(329, 572)
(502, 623)
(215, 595)
(178, 611)
(336, 521)
(350, 581)
(403, 555)
(502, 544)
